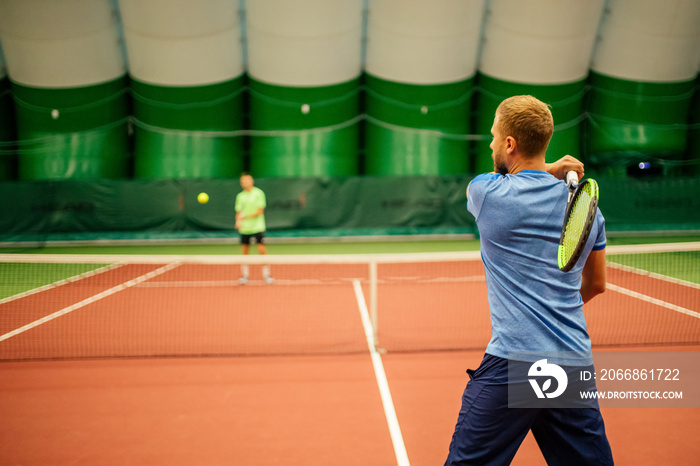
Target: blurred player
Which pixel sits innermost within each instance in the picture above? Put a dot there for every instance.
(250, 223)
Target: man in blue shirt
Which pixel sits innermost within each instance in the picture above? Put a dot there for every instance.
(535, 307)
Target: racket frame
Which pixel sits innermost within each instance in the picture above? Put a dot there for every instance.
(590, 218)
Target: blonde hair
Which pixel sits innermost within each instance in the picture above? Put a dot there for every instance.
(528, 120)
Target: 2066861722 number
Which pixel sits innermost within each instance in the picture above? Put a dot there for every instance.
(640, 374)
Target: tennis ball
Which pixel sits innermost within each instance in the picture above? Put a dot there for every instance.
(203, 198)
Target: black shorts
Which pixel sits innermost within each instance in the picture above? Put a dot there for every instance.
(259, 238)
(489, 432)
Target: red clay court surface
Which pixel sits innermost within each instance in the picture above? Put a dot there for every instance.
(281, 409)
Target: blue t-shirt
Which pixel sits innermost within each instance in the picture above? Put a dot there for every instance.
(535, 307)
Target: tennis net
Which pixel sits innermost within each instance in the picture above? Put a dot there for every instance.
(75, 306)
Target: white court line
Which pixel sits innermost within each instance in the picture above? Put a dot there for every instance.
(229, 283)
(89, 300)
(58, 283)
(658, 276)
(651, 300)
(380, 375)
(308, 281)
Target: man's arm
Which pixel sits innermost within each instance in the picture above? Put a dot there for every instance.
(237, 208)
(260, 211)
(257, 213)
(594, 276)
(240, 217)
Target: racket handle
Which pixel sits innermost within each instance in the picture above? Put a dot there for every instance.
(571, 179)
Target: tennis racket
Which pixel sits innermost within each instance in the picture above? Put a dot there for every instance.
(578, 220)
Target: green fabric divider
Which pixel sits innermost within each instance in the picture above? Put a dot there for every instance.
(396, 137)
(636, 204)
(226, 236)
(43, 208)
(363, 204)
(694, 135)
(312, 131)
(566, 101)
(8, 134)
(76, 133)
(172, 125)
(631, 120)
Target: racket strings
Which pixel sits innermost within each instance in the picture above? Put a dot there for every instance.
(580, 216)
(577, 222)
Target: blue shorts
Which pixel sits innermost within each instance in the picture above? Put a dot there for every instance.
(490, 433)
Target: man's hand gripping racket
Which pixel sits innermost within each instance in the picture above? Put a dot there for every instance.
(578, 220)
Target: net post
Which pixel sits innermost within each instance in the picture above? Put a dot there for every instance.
(373, 313)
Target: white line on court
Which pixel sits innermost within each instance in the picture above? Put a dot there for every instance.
(306, 281)
(651, 300)
(89, 300)
(58, 283)
(646, 273)
(380, 375)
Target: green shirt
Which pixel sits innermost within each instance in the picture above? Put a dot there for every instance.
(249, 202)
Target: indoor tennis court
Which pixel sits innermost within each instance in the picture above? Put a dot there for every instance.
(147, 146)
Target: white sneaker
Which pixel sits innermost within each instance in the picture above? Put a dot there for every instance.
(269, 280)
(243, 280)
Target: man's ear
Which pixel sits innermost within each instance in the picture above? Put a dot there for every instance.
(510, 144)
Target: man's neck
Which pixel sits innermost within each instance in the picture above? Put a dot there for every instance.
(527, 163)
